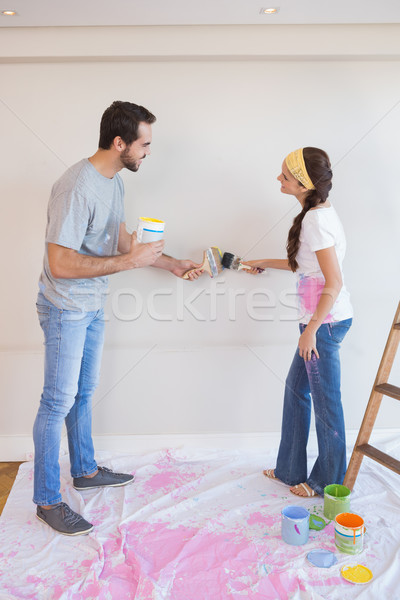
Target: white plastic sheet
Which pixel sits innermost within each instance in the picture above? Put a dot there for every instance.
(195, 525)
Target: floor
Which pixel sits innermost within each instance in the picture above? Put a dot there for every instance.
(195, 525)
(8, 473)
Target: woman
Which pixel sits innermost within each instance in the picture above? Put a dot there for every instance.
(315, 250)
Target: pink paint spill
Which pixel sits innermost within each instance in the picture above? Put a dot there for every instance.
(169, 477)
(266, 520)
(146, 559)
(160, 481)
(201, 565)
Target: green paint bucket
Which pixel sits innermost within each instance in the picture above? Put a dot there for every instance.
(336, 500)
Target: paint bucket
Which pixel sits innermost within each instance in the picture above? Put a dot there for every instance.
(336, 500)
(349, 533)
(150, 230)
(295, 525)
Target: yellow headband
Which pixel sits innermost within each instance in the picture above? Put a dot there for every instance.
(296, 165)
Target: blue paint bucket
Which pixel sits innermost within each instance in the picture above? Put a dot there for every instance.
(295, 525)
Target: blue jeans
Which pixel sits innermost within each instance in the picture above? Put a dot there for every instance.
(318, 379)
(73, 347)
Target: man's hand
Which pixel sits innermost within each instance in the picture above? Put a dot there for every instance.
(185, 265)
(143, 255)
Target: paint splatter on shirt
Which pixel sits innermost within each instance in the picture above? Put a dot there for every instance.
(320, 229)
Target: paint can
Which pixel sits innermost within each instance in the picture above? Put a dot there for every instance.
(150, 230)
(336, 500)
(295, 523)
(349, 533)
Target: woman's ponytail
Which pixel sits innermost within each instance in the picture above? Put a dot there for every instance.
(319, 170)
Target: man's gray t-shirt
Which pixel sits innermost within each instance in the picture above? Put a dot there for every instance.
(84, 213)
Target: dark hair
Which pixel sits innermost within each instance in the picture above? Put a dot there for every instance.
(122, 119)
(319, 170)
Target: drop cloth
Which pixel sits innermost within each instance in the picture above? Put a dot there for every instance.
(195, 525)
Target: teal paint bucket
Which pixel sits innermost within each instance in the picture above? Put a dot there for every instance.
(336, 500)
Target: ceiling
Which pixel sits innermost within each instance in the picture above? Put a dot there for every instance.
(46, 13)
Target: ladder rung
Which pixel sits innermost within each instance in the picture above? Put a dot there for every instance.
(388, 390)
(372, 409)
(380, 457)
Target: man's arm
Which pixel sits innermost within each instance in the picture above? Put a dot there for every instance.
(124, 239)
(178, 267)
(175, 266)
(66, 263)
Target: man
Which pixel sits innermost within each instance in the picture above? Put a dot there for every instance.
(86, 240)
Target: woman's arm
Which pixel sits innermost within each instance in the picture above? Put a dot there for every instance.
(267, 263)
(329, 265)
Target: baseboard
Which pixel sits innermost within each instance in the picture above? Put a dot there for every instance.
(20, 447)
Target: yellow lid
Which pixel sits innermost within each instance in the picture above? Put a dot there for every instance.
(356, 574)
(150, 220)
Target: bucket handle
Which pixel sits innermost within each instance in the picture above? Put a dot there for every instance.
(364, 529)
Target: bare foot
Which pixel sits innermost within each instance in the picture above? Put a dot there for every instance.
(270, 473)
(303, 490)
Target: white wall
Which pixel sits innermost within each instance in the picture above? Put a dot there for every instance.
(227, 115)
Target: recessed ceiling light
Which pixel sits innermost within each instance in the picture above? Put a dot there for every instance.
(9, 13)
(269, 11)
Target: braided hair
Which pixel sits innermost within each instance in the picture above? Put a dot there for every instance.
(319, 170)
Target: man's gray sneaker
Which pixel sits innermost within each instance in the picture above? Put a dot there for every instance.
(64, 520)
(105, 477)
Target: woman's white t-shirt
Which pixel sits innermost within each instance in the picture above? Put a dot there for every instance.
(321, 228)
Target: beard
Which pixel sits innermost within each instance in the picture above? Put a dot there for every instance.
(129, 163)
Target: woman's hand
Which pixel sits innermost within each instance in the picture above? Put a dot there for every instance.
(308, 345)
(256, 266)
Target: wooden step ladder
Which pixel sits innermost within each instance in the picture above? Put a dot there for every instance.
(380, 388)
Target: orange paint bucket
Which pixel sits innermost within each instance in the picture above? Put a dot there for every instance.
(349, 533)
